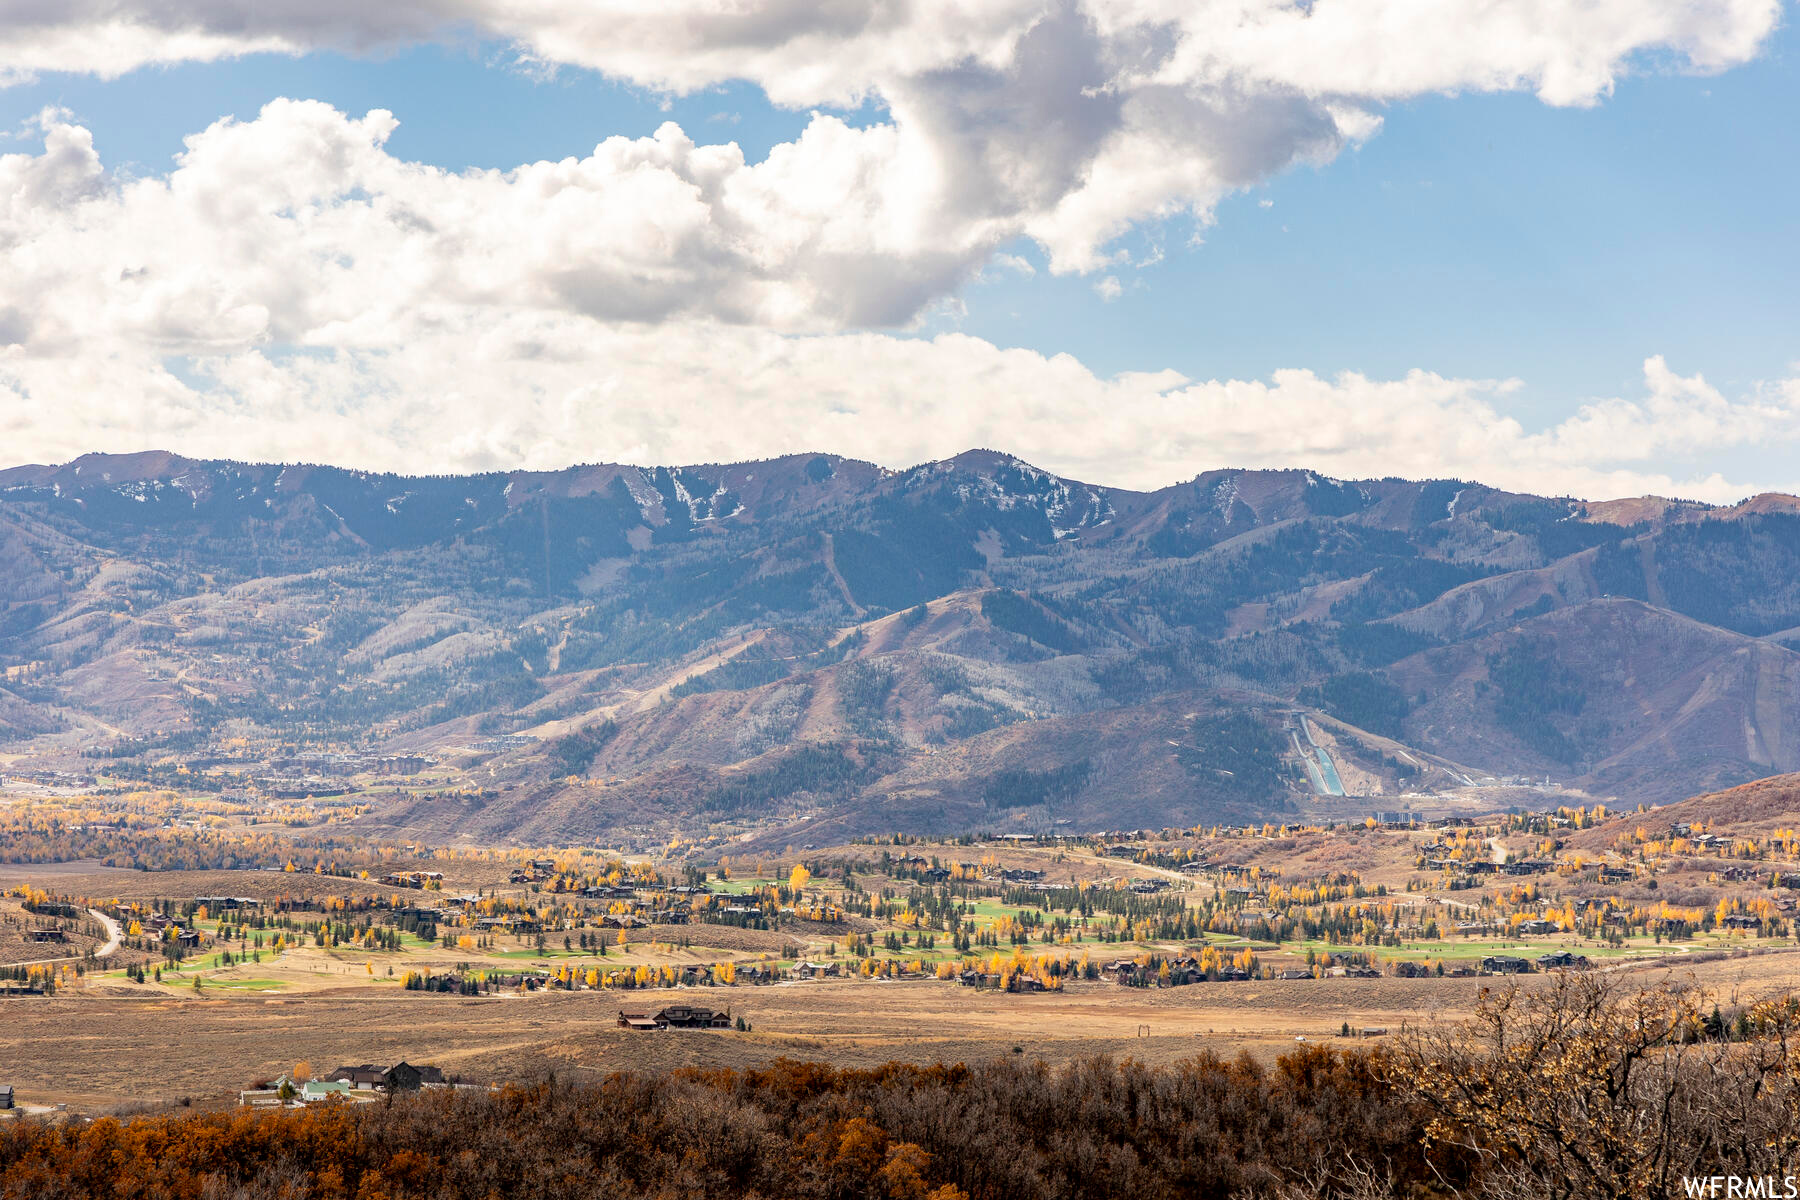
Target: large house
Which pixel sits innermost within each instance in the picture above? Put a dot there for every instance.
(1562, 960)
(401, 1077)
(676, 1016)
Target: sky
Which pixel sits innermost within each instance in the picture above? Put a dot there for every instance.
(1544, 245)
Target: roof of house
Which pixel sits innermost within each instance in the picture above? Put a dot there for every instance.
(366, 1073)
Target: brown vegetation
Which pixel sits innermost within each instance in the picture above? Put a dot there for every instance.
(1580, 1090)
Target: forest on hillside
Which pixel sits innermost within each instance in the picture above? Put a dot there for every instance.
(1580, 1090)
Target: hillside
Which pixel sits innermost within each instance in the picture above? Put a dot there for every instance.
(1750, 810)
(817, 647)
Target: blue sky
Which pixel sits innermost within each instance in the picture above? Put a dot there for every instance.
(1479, 235)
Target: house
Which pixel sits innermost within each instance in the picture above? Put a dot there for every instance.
(419, 912)
(189, 938)
(1411, 970)
(404, 1077)
(365, 1078)
(6, 1095)
(1562, 960)
(1021, 875)
(315, 1090)
(46, 935)
(688, 1016)
(1537, 928)
(1742, 921)
(412, 879)
(622, 921)
(1505, 964)
(935, 875)
(638, 1020)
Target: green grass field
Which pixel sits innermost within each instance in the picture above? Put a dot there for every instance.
(246, 985)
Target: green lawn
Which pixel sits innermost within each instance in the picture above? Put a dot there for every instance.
(612, 950)
(246, 985)
(738, 887)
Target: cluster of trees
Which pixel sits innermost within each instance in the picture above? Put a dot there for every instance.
(1238, 755)
(1539, 700)
(816, 769)
(574, 753)
(1364, 699)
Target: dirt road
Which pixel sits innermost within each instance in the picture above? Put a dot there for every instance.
(114, 936)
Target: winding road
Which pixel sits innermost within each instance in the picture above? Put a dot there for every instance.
(114, 936)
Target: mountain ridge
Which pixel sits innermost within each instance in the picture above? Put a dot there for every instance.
(813, 640)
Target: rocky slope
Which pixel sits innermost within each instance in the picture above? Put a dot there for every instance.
(813, 642)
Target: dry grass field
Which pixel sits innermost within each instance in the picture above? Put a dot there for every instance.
(102, 1051)
(106, 1049)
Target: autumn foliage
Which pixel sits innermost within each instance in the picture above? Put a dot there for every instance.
(800, 1130)
(1577, 1090)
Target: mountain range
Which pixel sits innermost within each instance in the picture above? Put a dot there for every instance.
(814, 646)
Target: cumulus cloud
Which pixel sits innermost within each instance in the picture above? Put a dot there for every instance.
(468, 389)
(298, 227)
(293, 289)
(1066, 120)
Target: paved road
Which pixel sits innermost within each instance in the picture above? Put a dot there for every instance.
(114, 936)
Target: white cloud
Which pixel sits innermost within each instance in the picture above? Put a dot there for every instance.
(299, 228)
(1066, 120)
(469, 389)
(293, 289)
